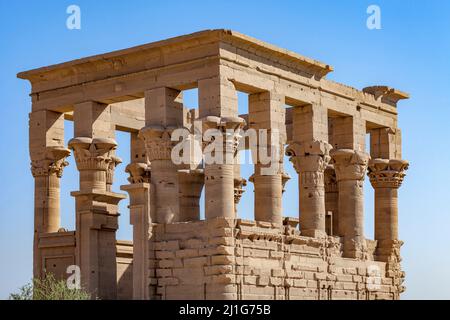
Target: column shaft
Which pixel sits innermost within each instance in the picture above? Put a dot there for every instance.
(267, 117)
(312, 203)
(386, 214)
(164, 178)
(190, 187)
(350, 166)
(351, 207)
(219, 191)
(268, 198)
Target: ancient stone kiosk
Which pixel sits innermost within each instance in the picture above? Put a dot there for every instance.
(320, 124)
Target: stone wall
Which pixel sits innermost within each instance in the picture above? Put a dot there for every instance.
(239, 259)
(124, 269)
(58, 252)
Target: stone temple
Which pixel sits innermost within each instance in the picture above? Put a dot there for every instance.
(322, 126)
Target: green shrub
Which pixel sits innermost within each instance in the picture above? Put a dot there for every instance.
(49, 288)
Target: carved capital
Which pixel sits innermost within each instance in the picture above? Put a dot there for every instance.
(239, 184)
(230, 130)
(349, 164)
(115, 161)
(284, 179)
(93, 154)
(309, 157)
(53, 163)
(139, 172)
(384, 173)
(158, 142)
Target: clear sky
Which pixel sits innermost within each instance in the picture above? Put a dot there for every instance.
(410, 52)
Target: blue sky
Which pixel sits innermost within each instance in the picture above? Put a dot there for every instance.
(411, 52)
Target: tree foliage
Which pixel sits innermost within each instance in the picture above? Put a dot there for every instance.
(49, 288)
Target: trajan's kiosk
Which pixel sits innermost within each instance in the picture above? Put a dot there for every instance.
(174, 254)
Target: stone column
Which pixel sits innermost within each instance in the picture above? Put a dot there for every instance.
(218, 110)
(96, 207)
(220, 152)
(310, 161)
(163, 114)
(47, 173)
(140, 193)
(386, 176)
(309, 153)
(350, 166)
(47, 153)
(267, 113)
(97, 217)
(164, 175)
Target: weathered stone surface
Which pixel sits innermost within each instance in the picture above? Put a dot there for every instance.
(320, 124)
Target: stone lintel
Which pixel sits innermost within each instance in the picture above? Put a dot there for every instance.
(142, 185)
(126, 74)
(101, 196)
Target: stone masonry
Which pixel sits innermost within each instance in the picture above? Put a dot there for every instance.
(321, 126)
